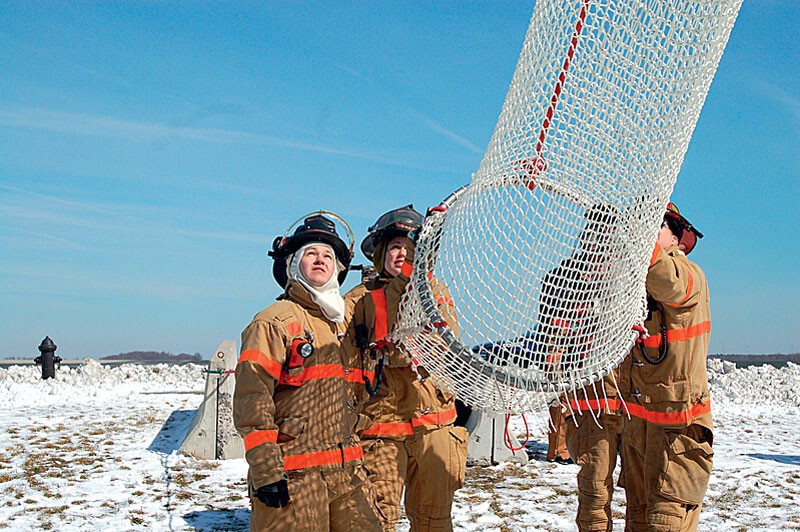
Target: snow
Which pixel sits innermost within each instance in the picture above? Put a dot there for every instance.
(96, 449)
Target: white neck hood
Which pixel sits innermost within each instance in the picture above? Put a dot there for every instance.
(326, 296)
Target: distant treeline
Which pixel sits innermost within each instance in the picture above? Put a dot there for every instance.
(155, 356)
(747, 360)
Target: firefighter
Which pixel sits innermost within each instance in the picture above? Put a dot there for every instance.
(557, 450)
(294, 403)
(593, 420)
(667, 442)
(413, 442)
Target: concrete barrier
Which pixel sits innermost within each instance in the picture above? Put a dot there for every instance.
(486, 441)
(212, 436)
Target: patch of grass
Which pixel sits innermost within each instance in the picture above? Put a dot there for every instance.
(181, 479)
(54, 510)
(7, 477)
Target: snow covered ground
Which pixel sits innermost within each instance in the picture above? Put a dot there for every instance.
(96, 449)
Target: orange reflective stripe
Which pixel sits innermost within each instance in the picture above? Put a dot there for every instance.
(689, 286)
(259, 437)
(258, 357)
(678, 335)
(326, 371)
(407, 269)
(595, 404)
(445, 301)
(684, 417)
(381, 314)
(656, 251)
(434, 418)
(320, 458)
(390, 429)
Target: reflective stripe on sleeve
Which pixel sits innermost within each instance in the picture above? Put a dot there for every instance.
(260, 437)
(678, 335)
(258, 357)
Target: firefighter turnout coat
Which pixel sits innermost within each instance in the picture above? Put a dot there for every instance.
(666, 450)
(411, 442)
(673, 392)
(297, 413)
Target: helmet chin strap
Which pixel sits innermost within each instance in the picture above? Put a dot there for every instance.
(327, 296)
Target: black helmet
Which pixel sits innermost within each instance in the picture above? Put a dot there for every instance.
(686, 233)
(315, 228)
(397, 222)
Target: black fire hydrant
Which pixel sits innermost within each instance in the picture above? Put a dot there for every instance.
(48, 358)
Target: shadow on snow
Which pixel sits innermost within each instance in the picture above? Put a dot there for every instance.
(172, 432)
(780, 458)
(228, 520)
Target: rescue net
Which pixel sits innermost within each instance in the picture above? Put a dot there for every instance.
(545, 251)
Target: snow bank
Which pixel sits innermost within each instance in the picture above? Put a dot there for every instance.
(90, 381)
(754, 384)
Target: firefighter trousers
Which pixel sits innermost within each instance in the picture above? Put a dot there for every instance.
(665, 474)
(593, 443)
(321, 501)
(556, 435)
(430, 465)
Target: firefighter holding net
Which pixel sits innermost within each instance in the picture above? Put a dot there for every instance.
(413, 445)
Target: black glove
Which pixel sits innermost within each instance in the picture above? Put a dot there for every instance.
(275, 495)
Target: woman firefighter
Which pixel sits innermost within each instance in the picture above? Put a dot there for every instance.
(413, 443)
(294, 400)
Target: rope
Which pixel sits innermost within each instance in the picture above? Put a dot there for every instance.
(507, 439)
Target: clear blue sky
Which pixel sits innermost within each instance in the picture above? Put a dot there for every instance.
(151, 151)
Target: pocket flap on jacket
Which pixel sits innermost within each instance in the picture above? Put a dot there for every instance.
(292, 427)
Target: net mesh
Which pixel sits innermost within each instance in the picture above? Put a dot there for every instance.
(545, 252)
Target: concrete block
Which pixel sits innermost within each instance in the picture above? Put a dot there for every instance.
(486, 441)
(212, 435)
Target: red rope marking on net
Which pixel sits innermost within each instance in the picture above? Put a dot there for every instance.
(537, 164)
(507, 436)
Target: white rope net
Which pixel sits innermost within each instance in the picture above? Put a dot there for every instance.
(545, 252)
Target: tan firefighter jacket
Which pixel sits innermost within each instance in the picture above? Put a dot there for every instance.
(675, 391)
(405, 402)
(295, 412)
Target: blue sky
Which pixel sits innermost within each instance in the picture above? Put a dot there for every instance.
(151, 151)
